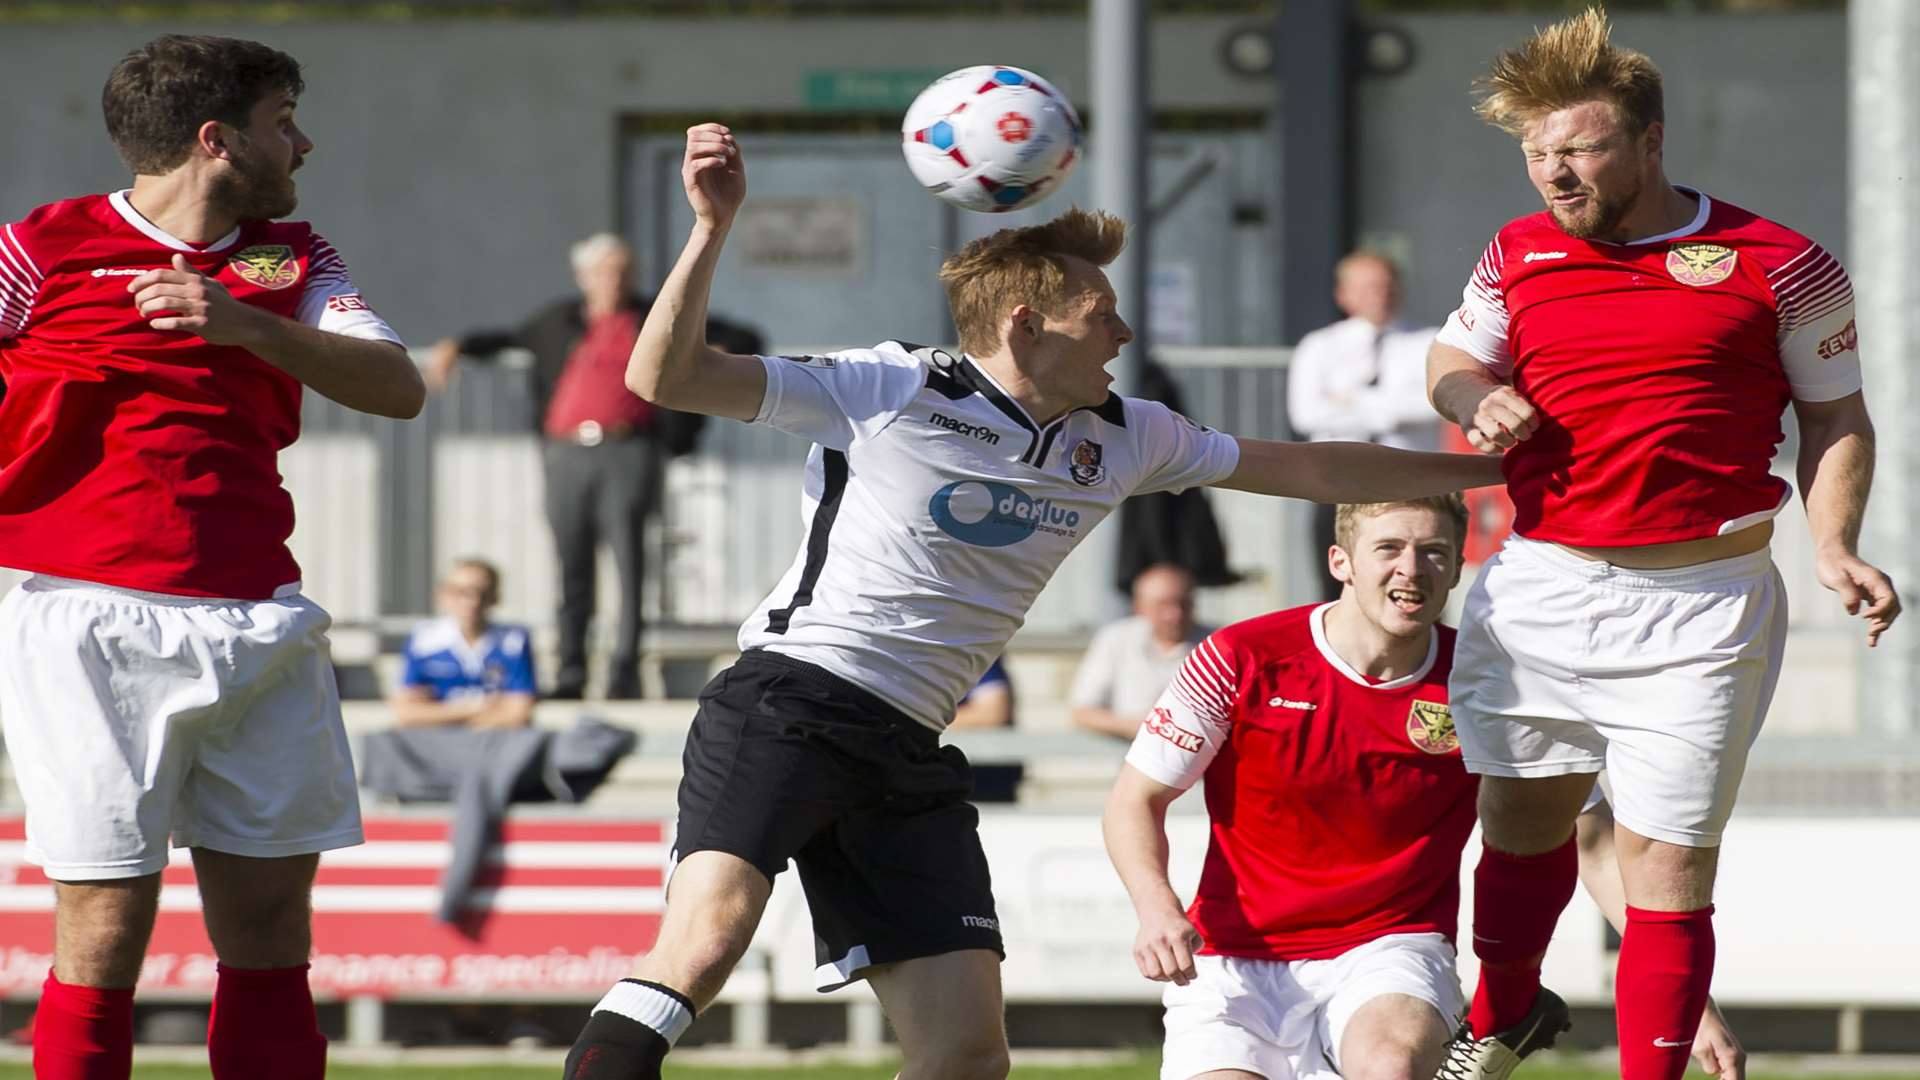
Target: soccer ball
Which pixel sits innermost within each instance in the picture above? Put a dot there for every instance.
(990, 138)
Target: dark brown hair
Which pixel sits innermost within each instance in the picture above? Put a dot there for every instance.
(160, 94)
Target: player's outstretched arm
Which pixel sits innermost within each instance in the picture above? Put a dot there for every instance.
(367, 376)
(1835, 472)
(1135, 826)
(672, 365)
(1337, 472)
(1715, 1046)
(1491, 414)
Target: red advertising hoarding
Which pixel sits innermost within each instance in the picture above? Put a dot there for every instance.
(562, 909)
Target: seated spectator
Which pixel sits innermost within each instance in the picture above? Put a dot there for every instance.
(1131, 661)
(990, 703)
(462, 669)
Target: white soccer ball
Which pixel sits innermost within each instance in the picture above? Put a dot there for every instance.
(990, 138)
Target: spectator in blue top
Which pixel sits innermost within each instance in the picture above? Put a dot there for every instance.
(463, 668)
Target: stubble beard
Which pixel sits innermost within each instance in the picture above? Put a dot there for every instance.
(255, 189)
(1599, 217)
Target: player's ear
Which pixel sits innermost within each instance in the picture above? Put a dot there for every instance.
(1023, 321)
(212, 139)
(1339, 565)
(1654, 139)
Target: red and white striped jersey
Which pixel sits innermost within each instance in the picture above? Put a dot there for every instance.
(146, 458)
(1660, 368)
(1339, 805)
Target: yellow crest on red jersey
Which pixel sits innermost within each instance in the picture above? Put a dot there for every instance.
(1430, 727)
(269, 266)
(1701, 264)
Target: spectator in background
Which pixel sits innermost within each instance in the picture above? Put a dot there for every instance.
(1131, 661)
(990, 703)
(1362, 378)
(604, 449)
(462, 668)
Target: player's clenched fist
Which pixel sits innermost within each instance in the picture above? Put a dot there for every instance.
(185, 299)
(1164, 947)
(1501, 419)
(714, 175)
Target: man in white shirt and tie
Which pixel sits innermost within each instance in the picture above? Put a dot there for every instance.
(1360, 379)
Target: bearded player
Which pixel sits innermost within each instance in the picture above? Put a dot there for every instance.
(1319, 942)
(160, 674)
(1632, 350)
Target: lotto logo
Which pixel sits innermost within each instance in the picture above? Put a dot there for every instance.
(347, 302)
(1846, 340)
(1160, 722)
(1015, 128)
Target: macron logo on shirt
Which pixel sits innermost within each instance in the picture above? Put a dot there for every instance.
(960, 427)
(1536, 256)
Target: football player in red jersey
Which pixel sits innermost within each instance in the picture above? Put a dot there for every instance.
(161, 677)
(1319, 943)
(1631, 350)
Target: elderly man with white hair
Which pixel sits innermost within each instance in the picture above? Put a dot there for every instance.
(603, 448)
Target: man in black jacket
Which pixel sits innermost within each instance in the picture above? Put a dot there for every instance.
(603, 448)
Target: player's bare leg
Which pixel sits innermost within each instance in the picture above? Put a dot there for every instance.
(1393, 1037)
(100, 930)
(1527, 872)
(948, 1013)
(1228, 1074)
(259, 915)
(714, 904)
(84, 1026)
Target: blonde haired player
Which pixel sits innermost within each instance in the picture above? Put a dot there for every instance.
(941, 493)
(1631, 350)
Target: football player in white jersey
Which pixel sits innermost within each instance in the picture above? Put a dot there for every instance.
(941, 493)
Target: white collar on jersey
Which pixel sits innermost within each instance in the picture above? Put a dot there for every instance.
(443, 635)
(1317, 621)
(118, 200)
(1699, 222)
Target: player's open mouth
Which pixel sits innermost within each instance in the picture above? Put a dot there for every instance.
(1407, 600)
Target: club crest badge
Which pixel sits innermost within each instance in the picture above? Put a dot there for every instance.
(1086, 469)
(268, 266)
(1430, 727)
(1701, 264)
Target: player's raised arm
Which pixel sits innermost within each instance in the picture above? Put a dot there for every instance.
(1336, 472)
(672, 364)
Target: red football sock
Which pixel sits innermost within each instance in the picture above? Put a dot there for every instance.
(1660, 990)
(82, 1033)
(1517, 900)
(263, 1025)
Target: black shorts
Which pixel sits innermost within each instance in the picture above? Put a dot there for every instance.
(787, 761)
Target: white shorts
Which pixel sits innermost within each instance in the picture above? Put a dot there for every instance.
(1284, 1019)
(1661, 677)
(132, 715)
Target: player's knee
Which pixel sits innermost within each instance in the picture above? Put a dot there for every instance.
(102, 931)
(959, 1056)
(1386, 1063)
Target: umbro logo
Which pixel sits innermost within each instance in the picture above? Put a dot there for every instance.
(1536, 256)
(1289, 703)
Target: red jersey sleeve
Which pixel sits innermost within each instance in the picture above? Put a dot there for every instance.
(1193, 717)
(20, 277)
(1819, 345)
(1479, 326)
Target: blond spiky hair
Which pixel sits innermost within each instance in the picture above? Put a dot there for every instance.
(1568, 64)
(990, 276)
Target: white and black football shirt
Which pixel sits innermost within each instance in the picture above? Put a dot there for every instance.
(937, 510)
